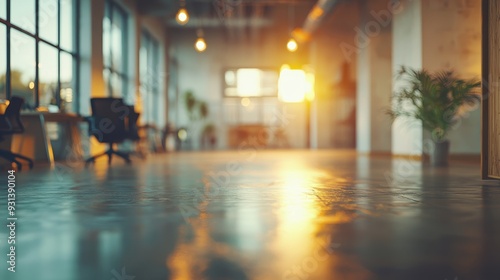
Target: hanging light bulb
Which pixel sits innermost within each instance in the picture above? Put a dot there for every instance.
(182, 16)
(200, 45)
(292, 45)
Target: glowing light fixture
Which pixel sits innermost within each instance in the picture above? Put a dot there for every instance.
(200, 45)
(182, 16)
(316, 13)
(292, 45)
(301, 35)
(31, 85)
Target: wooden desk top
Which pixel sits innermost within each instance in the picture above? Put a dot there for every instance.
(56, 117)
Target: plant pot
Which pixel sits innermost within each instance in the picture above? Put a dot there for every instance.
(439, 156)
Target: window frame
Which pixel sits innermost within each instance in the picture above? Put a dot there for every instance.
(110, 7)
(152, 81)
(224, 84)
(38, 40)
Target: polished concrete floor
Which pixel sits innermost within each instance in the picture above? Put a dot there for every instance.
(255, 215)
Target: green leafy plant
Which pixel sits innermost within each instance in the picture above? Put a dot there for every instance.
(190, 102)
(433, 98)
(198, 112)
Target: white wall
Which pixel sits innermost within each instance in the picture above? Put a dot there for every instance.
(374, 77)
(202, 73)
(363, 112)
(407, 51)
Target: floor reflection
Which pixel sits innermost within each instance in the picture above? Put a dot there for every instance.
(277, 215)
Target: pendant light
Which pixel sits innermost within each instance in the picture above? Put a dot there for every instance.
(291, 45)
(200, 45)
(182, 16)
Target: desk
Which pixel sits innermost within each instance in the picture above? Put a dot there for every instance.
(35, 141)
(251, 134)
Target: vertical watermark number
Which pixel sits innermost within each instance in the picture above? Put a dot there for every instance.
(11, 220)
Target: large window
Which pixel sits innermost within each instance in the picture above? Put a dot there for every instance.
(150, 82)
(115, 50)
(38, 54)
(250, 82)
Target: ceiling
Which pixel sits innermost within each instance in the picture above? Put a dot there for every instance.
(227, 13)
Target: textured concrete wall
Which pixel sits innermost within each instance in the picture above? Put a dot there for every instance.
(451, 33)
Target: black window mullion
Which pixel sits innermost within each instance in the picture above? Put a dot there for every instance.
(36, 36)
(7, 74)
(124, 53)
(76, 62)
(111, 64)
(58, 87)
(37, 56)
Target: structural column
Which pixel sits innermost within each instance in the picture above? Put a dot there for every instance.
(374, 71)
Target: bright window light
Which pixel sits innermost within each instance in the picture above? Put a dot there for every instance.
(248, 82)
(292, 85)
(310, 86)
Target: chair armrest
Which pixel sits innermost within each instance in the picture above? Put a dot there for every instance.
(5, 125)
(92, 123)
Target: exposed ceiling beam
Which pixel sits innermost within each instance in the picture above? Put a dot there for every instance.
(216, 22)
(314, 19)
(169, 7)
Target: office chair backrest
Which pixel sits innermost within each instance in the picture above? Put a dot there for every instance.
(109, 116)
(13, 114)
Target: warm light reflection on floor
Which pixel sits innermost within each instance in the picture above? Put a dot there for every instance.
(295, 238)
(285, 215)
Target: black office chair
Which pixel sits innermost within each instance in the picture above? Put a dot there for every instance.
(10, 123)
(109, 124)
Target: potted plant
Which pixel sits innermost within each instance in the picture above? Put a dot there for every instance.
(209, 136)
(434, 99)
(198, 112)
